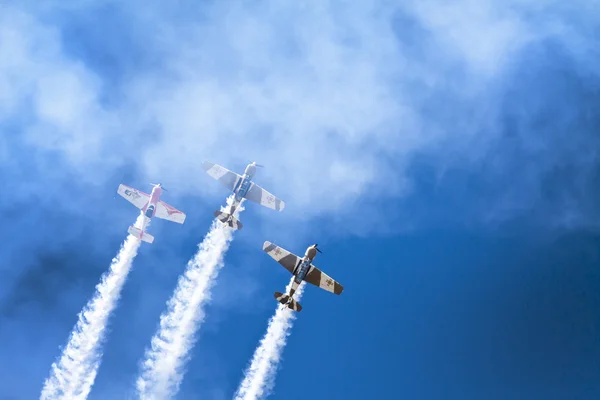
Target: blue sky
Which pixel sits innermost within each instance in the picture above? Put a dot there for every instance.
(445, 157)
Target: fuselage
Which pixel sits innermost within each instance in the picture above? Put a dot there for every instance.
(304, 266)
(241, 189)
(302, 270)
(150, 208)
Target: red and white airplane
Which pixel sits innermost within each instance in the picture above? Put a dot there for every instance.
(151, 206)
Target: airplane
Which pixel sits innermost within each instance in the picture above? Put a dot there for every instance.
(244, 188)
(151, 206)
(303, 270)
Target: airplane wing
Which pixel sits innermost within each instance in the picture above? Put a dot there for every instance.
(170, 213)
(264, 198)
(282, 256)
(221, 174)
(134, 196)
(322, 280)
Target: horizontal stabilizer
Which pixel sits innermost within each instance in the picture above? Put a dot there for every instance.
(145, 236)
(287, 301)
(228, 219)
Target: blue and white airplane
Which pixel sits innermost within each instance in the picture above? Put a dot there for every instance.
(244, 188)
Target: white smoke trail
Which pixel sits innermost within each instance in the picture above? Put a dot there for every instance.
(163, 365)
(259, 378)
(73, 375)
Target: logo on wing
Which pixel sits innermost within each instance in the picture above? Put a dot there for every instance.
(132, 193)
(270, 198)
(329, 282)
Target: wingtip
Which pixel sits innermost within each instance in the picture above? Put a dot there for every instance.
(206, 165)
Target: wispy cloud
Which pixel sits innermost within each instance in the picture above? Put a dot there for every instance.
(55, 98)
(340, 97)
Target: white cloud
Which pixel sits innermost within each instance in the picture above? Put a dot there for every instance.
(484, 33)
(58, 94)
(321, 93)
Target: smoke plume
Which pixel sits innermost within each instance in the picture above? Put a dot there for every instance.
(73, 375)
(163, 365)
(259, 378)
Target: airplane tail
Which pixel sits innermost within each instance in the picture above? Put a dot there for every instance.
(138, 233)
(288, 301)
(228, 219)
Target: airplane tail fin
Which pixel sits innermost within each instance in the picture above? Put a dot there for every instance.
(228, 219)
(288, 301)
(138, 233)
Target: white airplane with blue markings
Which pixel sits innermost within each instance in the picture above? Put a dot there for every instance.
(244, 188)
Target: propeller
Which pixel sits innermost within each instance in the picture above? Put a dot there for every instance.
(160, 185)
(257, 165)
(317, 249)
